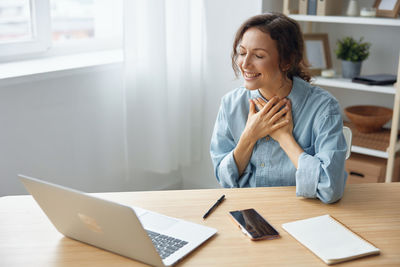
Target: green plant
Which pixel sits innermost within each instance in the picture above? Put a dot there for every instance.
(352, 50)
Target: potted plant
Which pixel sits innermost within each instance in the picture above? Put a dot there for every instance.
(352, 53)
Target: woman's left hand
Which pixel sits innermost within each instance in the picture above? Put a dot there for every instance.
(285, 131)
(284, 135)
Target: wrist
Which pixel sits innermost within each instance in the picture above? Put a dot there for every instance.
(286, 140)
(247, 139)
(292, 149)
(290, 145)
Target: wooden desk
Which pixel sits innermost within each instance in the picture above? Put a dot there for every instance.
(27, 238)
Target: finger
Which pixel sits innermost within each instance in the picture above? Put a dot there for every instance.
(252, 108)
(258, 103)
(289, 105)
(275, 109)
(261, 101)
(289, 110)
(269, 105)
(279, 124)
(279, 115)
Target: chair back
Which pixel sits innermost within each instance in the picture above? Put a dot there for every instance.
(348, 136)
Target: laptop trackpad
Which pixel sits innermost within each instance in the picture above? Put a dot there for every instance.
(156, 221)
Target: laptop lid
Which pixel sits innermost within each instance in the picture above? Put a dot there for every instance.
(104, 224)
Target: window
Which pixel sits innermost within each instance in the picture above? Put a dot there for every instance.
(24, 27)
(15, 23)
(39, 28)
(91, 22)
(72, 20)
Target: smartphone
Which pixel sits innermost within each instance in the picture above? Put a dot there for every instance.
(253, 224)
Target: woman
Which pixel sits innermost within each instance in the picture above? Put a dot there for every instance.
(278, 130)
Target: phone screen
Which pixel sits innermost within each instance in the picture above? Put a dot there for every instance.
(254, 225)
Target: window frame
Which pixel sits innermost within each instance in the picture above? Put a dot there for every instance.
(41, 33)
(44, 47)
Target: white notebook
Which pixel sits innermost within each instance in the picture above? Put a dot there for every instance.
(329, 240)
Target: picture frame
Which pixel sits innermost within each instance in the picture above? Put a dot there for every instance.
(317, 52)
(387, 8)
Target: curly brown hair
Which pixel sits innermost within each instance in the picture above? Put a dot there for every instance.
(289, 39)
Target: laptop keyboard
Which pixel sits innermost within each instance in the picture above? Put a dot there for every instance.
(165, 245)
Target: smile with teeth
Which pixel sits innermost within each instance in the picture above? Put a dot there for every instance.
(251, 74)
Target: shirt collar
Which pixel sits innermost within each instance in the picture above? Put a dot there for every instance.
(299, 92)
(297, 95)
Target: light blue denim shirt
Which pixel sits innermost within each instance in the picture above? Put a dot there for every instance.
(318, 129)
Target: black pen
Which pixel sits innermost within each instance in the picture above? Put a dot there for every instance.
(214, 206)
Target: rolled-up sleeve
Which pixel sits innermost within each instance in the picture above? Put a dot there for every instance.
(221, 150)
(322, 175)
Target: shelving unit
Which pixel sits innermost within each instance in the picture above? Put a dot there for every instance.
(347, 20)
(393, 144)
(373, 144)
(347, 84)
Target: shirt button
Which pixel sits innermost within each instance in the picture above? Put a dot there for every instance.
(262, 164)
(267, 138)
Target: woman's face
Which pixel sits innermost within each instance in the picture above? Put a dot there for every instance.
(258, 61)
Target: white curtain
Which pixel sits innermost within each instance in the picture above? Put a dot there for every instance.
(164, 57)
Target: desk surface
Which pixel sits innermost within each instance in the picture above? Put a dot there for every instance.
(27, 238)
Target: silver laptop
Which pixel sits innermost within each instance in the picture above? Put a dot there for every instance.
(133, 232)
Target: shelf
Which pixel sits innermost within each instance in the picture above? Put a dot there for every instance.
(348, 84)
(373, 152)
(373, 144)
(370, 152)
(347, 20)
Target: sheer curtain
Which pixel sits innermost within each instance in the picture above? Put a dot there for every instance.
(164, 57)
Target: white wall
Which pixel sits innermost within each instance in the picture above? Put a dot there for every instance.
(68, 128)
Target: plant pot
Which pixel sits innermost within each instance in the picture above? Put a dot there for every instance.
(351, 69)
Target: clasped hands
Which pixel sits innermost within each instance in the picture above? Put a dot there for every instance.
(273, 118)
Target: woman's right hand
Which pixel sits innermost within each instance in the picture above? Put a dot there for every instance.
(259, 125)
(268, 119)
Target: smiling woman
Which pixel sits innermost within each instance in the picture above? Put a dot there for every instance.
(258, 61)
(278, 130)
